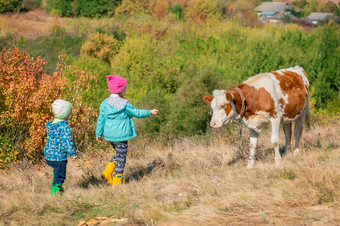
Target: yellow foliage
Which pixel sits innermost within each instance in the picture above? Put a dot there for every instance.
(101, 46)
(202, 10)
(129, 7)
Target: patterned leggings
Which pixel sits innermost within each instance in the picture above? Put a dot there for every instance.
(120, 156)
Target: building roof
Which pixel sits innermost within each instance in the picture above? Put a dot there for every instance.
(268, 13)
(272, 6)
(319, 16)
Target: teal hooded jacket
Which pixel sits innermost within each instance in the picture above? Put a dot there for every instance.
(115, 119)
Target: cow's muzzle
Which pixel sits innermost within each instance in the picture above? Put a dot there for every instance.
(213, 124)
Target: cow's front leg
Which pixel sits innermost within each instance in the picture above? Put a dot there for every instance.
(253, 142)
(275, 138)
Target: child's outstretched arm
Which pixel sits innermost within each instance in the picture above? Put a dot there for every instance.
(139, 113)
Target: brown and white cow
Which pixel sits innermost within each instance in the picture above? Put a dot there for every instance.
(269, 98)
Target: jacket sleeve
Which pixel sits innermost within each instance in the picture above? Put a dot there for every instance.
(67, 141)
(100, 123)
(138, 113)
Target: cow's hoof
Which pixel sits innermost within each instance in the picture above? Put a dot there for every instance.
(296, 152)
(278, 161)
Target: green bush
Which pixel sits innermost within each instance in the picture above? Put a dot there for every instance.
(153, 126)
(97, 8)
(59, 7)
(98, 69)
(189, 115)
(326, 83)
(115, 32)
(85, 8)
(49, 47)
(178, 11)
(28, 5)
(9, 5)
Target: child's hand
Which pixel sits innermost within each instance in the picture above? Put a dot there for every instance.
(99, 139)
(154, 112)
(74, 157)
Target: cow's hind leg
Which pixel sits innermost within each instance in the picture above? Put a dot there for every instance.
(287, 128)
(253, 142)
(297, 133)
(275, 138)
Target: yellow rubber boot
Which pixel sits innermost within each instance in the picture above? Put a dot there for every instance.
(107, 173)
(117, 179)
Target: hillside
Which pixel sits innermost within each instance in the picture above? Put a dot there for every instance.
(179, 171)
(195, 182)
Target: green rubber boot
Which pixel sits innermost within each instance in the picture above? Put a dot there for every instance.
(54, 190)
(58, 188)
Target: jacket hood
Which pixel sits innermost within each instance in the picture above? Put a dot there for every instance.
(118, 104)
(52, 128)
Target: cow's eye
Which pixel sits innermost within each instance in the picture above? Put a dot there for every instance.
(222, 106)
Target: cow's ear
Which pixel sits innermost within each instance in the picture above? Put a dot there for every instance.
(229, 97)
(207, 99)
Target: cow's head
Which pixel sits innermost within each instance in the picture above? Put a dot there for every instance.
(223, 107)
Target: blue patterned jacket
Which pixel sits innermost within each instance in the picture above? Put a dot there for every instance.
(59, 141)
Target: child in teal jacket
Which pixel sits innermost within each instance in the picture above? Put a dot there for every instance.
(115, 122)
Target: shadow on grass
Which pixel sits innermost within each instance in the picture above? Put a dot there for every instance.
(139, 172)
(90, 179)
(261, 154)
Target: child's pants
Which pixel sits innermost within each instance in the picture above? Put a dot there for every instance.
(59, 171)
(120, 156)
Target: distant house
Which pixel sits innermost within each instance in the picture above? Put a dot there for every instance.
(317, 18)
(273, 12)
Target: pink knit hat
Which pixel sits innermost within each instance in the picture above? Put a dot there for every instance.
(116, 83)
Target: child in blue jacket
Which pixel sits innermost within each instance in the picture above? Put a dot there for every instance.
(59, 143)
(115, 121)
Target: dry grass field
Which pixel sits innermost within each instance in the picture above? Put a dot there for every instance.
(194, 182)
(31, 24)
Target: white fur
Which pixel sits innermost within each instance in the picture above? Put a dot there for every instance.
(219, 115)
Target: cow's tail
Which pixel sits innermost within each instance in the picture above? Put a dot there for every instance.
(307, 113)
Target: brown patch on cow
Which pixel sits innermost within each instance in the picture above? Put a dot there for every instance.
(256, 100)
(282, 103)
(237, 100)
(229, 97)
(207, 99)
(292, 85)
(227, 109)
